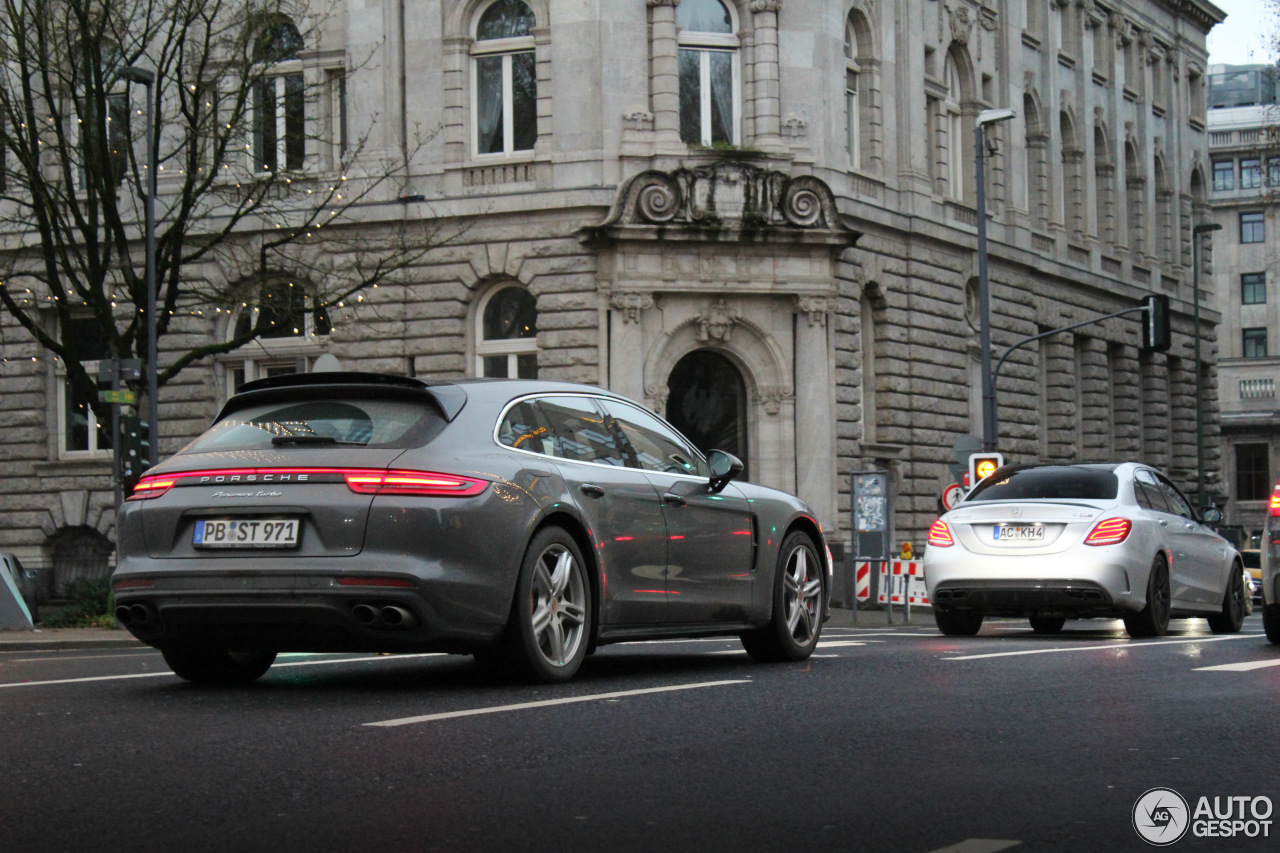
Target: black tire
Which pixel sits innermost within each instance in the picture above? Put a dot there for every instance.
(213, 666)
(1231, 618)
(798, 596)
(1271, 622)
(550, 627)
(1153, 619)
(958, 623)
(1047, 624)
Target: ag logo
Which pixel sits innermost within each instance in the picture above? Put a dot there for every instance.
(1161, 816)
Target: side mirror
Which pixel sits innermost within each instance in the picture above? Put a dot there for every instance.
(724, 468)
(1212, 515)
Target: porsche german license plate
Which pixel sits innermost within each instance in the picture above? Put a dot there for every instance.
(246, 533)
(1018, 532)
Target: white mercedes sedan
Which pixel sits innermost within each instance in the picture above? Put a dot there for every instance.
(1056, 542)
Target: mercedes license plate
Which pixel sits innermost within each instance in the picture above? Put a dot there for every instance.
(1018, 532)
(246, 533)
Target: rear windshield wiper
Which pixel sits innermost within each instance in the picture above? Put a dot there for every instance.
(313, 439)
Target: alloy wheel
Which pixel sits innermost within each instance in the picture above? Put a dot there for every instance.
(557, 605)
(802, 594)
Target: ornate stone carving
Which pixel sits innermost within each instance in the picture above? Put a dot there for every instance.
(653, 3)
(771, 397)
(795, 127)
(723, 194)
(961, 24)
(638, 120)
(766, 5)
(655, 397)
(630, 305)
(817, 307)
(716, 323)
(989, 18)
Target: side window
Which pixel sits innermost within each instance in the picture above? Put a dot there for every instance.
(1177, 503)
(652, 445)
(524, 428)
(580, 430)
(1148, 492)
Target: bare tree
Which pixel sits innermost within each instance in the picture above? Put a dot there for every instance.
(255, 175)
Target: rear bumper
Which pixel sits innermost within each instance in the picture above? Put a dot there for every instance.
(1022, 598)
(296, 613)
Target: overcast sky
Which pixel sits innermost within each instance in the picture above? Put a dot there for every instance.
(1248, 35)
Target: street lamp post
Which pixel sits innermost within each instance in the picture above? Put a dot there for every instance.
(147, 78)
(986, 117)
(1196, 232)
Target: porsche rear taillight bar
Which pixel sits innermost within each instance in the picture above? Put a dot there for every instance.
(364, 481)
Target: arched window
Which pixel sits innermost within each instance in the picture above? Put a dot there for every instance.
(505, 93)
(853, 123)
(709, 77)
(707, 402)
(1104, 181)
(507, 334)
(954, 125)
(279, 99)
(1037, 177)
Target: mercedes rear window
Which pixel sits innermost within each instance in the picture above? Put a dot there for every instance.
(1037, 484)
(365, 422)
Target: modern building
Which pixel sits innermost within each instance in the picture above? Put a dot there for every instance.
(759, 217)
(1244, 155)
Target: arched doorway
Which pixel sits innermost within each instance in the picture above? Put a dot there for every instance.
(707, 401)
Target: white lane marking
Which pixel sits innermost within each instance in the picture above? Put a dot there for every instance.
(1239, 667)
(831, 644)
(157, 674)
(978, 845)
(62, 659)
(1130, 645)
(546, 703)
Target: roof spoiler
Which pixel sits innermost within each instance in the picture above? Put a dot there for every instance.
(449, 398)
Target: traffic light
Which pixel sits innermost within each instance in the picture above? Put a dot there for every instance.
(135, 448)
(1155, 323)
(982, 465)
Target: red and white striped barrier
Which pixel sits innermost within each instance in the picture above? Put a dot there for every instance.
(901, 581)
(862, 582)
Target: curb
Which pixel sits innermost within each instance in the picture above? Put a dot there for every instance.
(38, 641)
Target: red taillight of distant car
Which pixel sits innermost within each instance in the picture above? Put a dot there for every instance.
(1275, 503)
(152, 487)
(940, 534)
(1109, 531)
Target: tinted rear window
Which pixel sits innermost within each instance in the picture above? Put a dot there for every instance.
(365, 422)
(1090, 484)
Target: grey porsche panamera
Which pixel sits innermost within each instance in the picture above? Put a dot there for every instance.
(523, 522)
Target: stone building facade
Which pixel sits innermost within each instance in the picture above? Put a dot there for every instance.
(757, 216)
(1244, 153)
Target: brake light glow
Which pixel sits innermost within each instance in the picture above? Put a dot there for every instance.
(363, 581)
(1109, 531)
(940, 534)
(1275, 502)
(365, 481)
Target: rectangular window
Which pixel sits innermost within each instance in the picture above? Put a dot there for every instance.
(1253, 288)
(707, 104)
(1273, 171)
(506, 103)
(1250, 173)
(1253, 472)
(1224, 175)
(80, 431)
(279, 123)
(1255, 342)
(1253, 227)
(852, 130)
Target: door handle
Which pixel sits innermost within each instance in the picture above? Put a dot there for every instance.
(673, 499)
(592, 489)
(1164, 523)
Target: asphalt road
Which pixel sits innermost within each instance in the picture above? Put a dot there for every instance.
(888, 739)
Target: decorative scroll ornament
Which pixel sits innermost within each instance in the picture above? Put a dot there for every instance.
(716, 323)
(989, 18)
(771, 397)
(630, 305)
(817, 307)
(655, 397)
(723, 194)
(766, 5)
(653, 3)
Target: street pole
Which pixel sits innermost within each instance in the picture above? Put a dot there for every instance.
(989, 427)
(1196, 232)
(147, 78)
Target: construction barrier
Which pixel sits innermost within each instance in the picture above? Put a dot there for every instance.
(902, 582)
(862, 582)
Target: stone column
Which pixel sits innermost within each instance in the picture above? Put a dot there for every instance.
(664, 84)
(768, 122)
(815, 426)
(626, 344)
